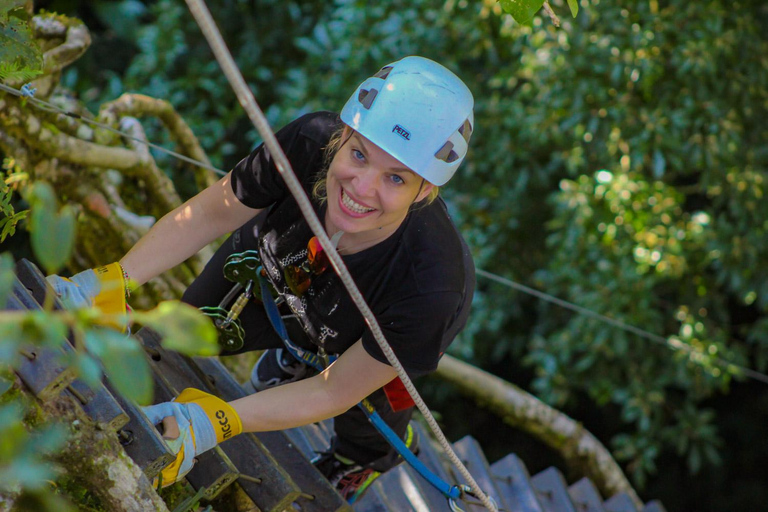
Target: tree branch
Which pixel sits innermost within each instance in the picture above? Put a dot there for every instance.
(581, 450)
(139, 105)
(69, 149)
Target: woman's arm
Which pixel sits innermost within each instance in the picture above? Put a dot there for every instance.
(341, 386)
(187, 229)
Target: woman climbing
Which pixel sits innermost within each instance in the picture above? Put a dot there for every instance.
(373, 174)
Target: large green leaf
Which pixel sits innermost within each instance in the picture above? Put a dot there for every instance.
(6, 277)
(124, 363)
(522, 10)
(20, 58)
(52, 232)
(183, 328)
(43, 328)
(574, 6)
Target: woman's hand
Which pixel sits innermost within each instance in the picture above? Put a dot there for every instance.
(194, 422)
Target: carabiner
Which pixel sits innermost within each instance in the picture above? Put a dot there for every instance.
(467, 490)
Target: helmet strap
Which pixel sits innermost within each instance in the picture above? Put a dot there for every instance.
(421, 187)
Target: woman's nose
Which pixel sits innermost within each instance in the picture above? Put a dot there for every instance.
(364, 184)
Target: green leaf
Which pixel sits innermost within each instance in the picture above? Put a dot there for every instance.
(522, 10)
(10, 420)
(124, 363)
(43, 328)
(6, 277)
(52, 233)
(88, 367)
(574, 6)
(19, 54)
(5, 384)
(183, 328)
(10, 334)
(9, 224)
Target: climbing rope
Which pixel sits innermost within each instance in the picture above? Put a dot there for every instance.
(248, 102)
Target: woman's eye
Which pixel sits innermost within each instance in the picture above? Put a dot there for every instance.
(397, 179)
(358, 155)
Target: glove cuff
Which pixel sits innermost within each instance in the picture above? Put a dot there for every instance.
(224, 420)
(111, 296)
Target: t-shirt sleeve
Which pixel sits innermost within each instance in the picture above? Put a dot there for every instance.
(415, 328)
(256, 181)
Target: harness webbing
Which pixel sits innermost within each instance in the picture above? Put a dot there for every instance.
(316, 362)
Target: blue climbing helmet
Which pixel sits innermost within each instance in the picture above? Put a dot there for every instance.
(417, 111)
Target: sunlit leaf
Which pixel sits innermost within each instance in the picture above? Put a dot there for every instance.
(88, 368)
(124, 363)
(574, 6)
(52, 231)
(183, 328)
(522, 10)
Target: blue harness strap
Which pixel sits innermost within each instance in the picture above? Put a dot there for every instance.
(452, 492)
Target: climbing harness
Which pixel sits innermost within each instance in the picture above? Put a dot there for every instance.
(244, 269)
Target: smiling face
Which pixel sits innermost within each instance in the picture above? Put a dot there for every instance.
(369, 192)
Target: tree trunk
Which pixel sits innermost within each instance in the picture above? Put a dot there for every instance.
(583, 453)
(98, 460)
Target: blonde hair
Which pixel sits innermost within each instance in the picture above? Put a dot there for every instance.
(335, 143)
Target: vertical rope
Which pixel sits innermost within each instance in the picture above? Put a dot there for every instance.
(248, 102)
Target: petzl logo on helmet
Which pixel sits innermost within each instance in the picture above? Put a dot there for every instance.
(402, 132)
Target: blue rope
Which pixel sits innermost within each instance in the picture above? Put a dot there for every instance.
(313, 360)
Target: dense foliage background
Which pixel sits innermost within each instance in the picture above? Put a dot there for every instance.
(619, 162)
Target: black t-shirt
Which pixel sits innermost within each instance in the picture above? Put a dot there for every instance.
(418, 282)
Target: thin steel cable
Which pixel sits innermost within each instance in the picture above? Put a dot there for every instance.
(244, 95)
(50, 107)
(670, 343)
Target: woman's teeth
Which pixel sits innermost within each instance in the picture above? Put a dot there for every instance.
(355, 207)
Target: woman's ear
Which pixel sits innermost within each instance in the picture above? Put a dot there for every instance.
(426, 188)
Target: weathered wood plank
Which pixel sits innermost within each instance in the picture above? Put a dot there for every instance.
(97, 401)
(214, 470)
(514, 484)
(317, 495)
(620, 503)
(553, 493)
(471, 454)
(585, 496)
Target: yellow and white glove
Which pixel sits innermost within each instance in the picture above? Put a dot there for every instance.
(203, 420)
(102, 287)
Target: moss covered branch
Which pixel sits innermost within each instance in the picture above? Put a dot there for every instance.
(138, 105)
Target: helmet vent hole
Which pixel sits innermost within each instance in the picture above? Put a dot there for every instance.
(366, 97)
(466, 130)
(446, 153)
(383, 72)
